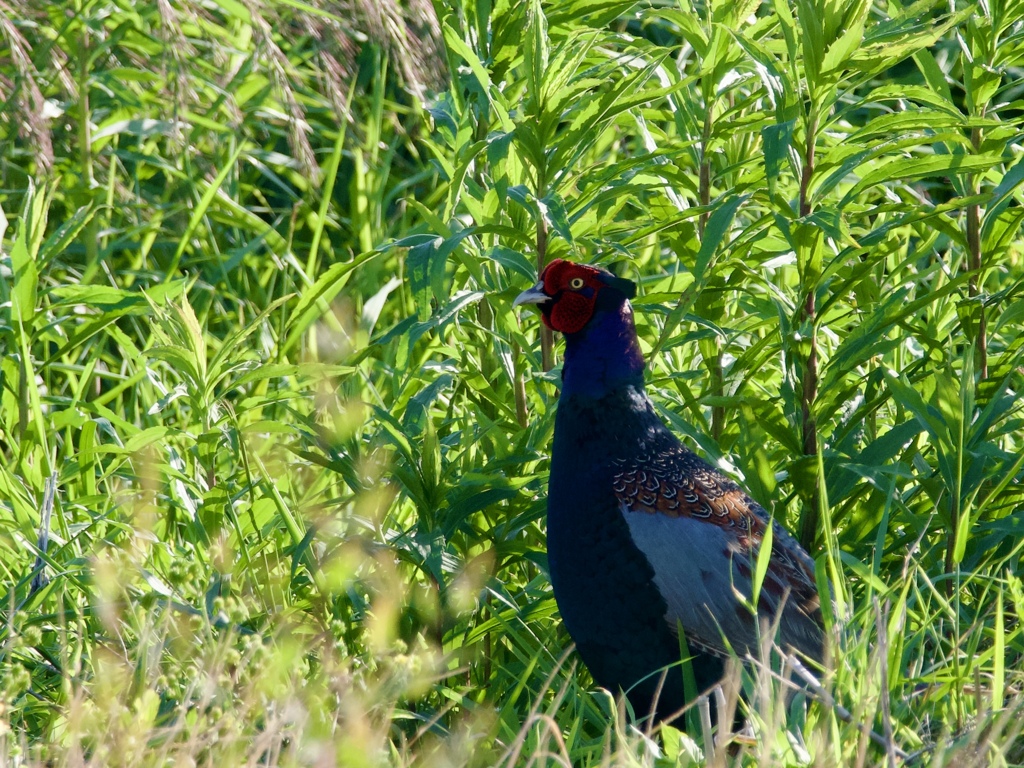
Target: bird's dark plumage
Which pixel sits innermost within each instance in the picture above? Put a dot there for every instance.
(644, 536)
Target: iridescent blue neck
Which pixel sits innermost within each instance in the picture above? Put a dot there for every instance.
(603, 356)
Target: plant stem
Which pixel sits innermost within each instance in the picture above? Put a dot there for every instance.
(809, 390)
(974, 265)
(519, 386)
(91, 234)
(705, 175)
(704, 191)
(547, 341)
(808, 169)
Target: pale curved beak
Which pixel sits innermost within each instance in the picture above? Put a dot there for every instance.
(533, 295)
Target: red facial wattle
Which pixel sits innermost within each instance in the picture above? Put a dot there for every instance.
(573, 290)
(571, 312)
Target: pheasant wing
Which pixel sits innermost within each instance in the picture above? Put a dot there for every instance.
(702, 534)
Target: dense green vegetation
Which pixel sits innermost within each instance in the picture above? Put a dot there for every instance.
(262, 383)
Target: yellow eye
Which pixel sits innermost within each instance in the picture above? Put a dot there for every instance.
(576, 283)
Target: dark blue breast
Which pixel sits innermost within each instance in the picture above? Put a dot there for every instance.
(603, 583)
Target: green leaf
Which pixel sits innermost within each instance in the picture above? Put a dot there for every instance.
(719, 224)
(776, 139)
(66, 233)
(908, 169)
(841, 48)
(326, 287)
(933, 74)
(31, 225)
(1002, 196)
(210, 191)
(812, 39)
(535, 54)
(420, 264)
(552, 208)
(764, 556)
